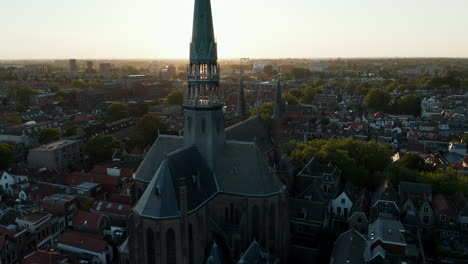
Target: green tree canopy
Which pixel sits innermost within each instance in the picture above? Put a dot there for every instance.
(377, 99)
(49, 134)
(360, 161)
(175, 98)
(413, 161)
(137, 110)
(72, 131)
(101, 147)
(148, 128)
(7, 155)
(265, 111)
(117, 111)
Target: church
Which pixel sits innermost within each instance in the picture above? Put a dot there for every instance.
(211, 195)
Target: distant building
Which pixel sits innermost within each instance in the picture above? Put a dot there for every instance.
(72, 66)
(58, 155)
(89, 66)
(104, 67)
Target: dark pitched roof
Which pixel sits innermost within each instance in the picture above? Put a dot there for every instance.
(216, 255)
(255, 254)
(43, 257)
(307, 210)
(83, 241)
(349, 248)
(361, 206)
(251, 130)
(87, 219)
(386, 192)
(163, 145)
(416, 188)
(203, 45)
(161, 198)
(242, 169)
(442, 205)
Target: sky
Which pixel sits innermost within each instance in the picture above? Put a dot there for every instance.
(159, 29)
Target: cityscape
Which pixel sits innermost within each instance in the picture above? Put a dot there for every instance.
(236, 159)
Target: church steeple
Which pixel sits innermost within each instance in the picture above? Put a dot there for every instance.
(203, 101)
(277, 114)
(203, 71)
(241, 100)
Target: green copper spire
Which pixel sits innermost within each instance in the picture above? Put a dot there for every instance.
(203, 46)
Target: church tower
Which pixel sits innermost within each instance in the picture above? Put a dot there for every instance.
(203, 101)
(277, 120)
(241, 113)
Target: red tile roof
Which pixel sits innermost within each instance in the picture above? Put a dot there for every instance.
(43, 257)
(83, 241)
(120, 198)
(110, 183)
(112, 208)
(442, 205)
(87, 219)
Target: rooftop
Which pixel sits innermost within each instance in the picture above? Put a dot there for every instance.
(35, 216)
(55, 145)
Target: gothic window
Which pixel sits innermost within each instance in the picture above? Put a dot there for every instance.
(190, 241)
(170, 247)
(189, 123)
(256, 222)
(231, 214)
(150, 246)
(203, 125)
(272, 222)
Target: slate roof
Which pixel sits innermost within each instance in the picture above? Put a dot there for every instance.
(256, 255)
(307, 210)
(386, 192)
(161, 198)
(361, 206)
(203, 45)
(163, 145)
(83, 241)
(349, 248)
(416, 188)
(251, 130)
(242, 169)
(216, 255)
(388, 231)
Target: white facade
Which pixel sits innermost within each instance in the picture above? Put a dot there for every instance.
(7, 181)
(341, 205)
(101, 256)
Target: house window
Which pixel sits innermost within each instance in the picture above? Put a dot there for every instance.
(426, 219)
(343, 201)
(359, 220)
(408, 206)
(338, 210)
(443, 218)
(426, 210)
(325, 188)
(451, 220)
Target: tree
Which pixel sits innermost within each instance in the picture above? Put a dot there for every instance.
(117, 111)
(23, 94)
(15, 118)
(7, 155)
(414, 162)
(265, 111)
(300, 73)
(175, 98)
(148, 128)
(137, 110)
(72, 131)
(101, 147)
(447, 180)
(409, 104)
(377, 99)
(49, 134)
(54, 88)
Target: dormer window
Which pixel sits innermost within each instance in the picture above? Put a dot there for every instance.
(443, 218)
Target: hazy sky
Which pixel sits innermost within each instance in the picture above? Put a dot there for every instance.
(244, 28)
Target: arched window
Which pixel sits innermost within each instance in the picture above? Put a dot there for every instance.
(190, 241)
(189, 123)
(256, 222)
(272, 222)
(203, 125)
(231, 214)
(150, 246)
(171, 253)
